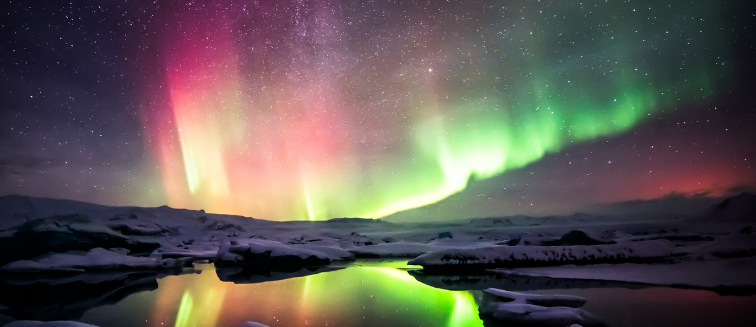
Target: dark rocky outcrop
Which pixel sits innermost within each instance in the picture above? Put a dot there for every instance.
(66, 233)
(576, 237)
(443, 235)
(741, 208)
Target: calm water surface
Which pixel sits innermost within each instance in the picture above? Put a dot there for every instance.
(365, 293)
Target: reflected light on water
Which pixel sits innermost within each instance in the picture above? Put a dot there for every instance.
(358, 296)
(465, 311)
(185, 310)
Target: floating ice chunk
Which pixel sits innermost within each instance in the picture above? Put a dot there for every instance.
(536, 310)
(333, 252)
(394, 250)
(76, 261)
(269, 253)
(541, 300)
(504, 256)
(523, 314)
(66, 233)
(731, 246)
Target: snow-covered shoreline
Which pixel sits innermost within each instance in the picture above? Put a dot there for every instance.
(72, 238)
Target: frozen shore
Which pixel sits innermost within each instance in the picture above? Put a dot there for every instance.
(44, 236)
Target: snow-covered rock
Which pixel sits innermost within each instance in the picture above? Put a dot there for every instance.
(529, 239)
(324, 245)
(393, 250)
(131, 227)
(577, 237)
(513, 256)
(574, 237)
(66, 233)
(731, 246)
(723, 276)
(95, 259)
(522, 314)
(269, 253)
(334, 253)
(195, 254)
(510, 280)
(536, 310)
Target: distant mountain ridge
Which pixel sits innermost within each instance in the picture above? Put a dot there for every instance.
(29, 205)
(741, 208)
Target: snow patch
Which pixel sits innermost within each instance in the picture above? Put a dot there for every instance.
(269, 253)
(394, 250)
(95, 259)
(503, 256)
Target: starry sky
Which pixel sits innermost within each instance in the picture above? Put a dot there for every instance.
(415, 110)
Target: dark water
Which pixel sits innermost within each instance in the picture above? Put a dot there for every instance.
(366, 293)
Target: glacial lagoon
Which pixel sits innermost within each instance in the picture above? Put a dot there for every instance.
(362, 293)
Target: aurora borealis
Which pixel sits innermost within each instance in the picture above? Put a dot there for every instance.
(291, 110)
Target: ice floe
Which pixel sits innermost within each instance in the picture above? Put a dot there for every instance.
(94, 259)
(269, 253)
(536, 310)
(513, 256)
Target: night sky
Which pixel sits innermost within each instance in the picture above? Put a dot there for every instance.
(303, 109)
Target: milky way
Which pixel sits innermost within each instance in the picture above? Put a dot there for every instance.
(322, 109)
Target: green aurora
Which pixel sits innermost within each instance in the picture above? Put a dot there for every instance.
(576, 76)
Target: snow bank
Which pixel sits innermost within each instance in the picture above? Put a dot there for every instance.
(731, 246)
(335, 253)
(131, 227)
(724, 276)
(393, 250)
(95, 259)
(269, 253)
(196, 254)
(329, 247)
(514, 256)
(66, 233)
(574, 237)
(522, 314)
(521, 309)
